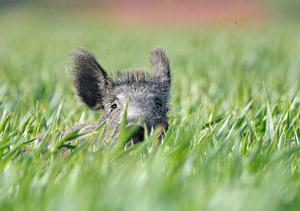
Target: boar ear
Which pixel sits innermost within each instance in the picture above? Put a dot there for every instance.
(90, 80)
(160, 64)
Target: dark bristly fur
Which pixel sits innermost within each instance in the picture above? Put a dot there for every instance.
(148, 94)
(90, 80)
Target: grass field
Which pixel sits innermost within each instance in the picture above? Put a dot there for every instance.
(233, 142)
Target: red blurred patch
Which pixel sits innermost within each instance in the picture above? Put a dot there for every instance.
(182, 12)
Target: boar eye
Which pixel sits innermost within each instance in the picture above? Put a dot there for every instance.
(114, 106)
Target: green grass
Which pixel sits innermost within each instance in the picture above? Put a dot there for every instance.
(233, 142)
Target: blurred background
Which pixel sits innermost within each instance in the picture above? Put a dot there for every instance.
(207, 39)
(176, 12)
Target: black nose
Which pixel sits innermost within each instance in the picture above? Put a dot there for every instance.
(137, 136)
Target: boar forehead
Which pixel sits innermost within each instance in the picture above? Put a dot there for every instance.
(136, 91)
(136, 95)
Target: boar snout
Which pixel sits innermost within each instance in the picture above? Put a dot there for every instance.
(137, 136)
